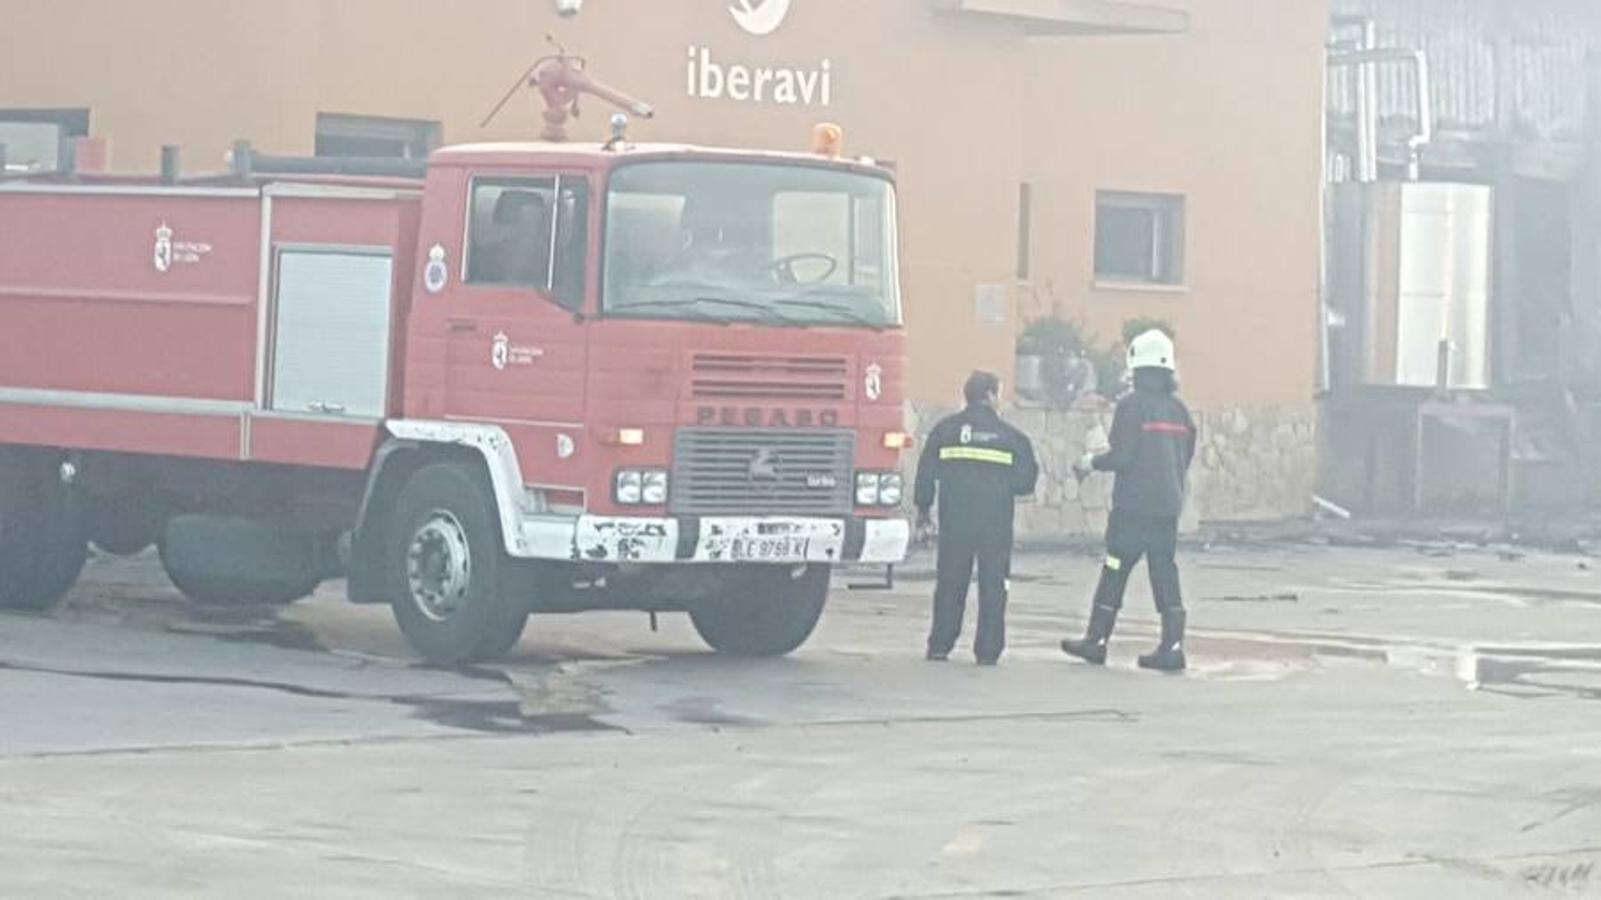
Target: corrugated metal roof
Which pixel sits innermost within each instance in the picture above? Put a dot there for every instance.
(1550, 41)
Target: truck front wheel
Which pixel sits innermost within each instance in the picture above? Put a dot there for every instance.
(771, 617)
(449, 573)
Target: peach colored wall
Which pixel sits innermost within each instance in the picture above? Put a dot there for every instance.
(1227, 115)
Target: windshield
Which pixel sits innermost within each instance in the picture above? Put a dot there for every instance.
(781, 244)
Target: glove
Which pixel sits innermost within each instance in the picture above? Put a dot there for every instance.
(1085, 466)
(926, 531)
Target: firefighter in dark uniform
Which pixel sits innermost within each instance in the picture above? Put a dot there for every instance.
(978, 466)
(1152, 444)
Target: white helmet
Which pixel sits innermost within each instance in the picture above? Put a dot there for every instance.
(1152, 350)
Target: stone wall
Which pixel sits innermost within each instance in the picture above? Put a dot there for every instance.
(1250, 465)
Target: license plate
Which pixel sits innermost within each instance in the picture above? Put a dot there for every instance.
(758, 549)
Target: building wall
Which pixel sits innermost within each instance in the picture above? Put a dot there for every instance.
(1229, 117)
(936, 95)
(966, 110)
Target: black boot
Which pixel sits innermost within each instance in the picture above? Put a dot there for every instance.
(1092, 648)
(1169, 655)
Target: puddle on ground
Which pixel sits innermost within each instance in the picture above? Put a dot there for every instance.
(707, 711)
(1532, 677)
(503, 717)
(243, 627)
(558, 702)
(1530, 672)
(1465, 584)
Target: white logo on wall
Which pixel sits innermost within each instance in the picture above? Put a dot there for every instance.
(761, 17)
(170, 252)
(708, 77)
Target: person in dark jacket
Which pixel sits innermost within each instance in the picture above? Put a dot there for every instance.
(978, 466)
(1152, 445)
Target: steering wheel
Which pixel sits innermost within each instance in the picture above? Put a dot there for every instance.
(784, 269)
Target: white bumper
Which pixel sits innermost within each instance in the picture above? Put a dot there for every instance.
(715, 540)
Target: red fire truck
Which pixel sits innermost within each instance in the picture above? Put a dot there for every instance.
(525, 378)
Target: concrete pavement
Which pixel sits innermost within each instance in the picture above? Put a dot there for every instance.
(1373, 723)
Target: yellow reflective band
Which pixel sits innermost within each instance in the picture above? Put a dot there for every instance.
(976, 454)
(1115, 564)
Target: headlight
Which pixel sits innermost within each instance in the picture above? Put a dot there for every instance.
(867, 487)
(640, 487)
(630, 487)
(654, 488)
(879, 489)
(890, 489)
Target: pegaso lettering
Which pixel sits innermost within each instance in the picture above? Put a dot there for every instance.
(757, 417)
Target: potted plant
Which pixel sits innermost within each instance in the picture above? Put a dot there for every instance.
(1054, 361)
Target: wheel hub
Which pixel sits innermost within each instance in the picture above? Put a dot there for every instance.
(439, 566)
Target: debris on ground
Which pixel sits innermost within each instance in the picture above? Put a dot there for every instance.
(1258, 598)
(1331, 508)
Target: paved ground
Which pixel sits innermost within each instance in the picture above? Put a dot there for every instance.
(1409, 721)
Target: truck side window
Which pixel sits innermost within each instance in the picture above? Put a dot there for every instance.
(572, 243)
(510, 232)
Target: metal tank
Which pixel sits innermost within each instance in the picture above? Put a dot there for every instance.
(1410, 284)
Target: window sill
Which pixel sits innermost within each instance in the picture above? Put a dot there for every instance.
(1139, 287)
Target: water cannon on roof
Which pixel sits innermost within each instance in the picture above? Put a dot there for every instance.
(561, 79)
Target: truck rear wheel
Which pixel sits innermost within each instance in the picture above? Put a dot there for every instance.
(449, 570)
(207, 591)
(230, 561)
(20, 516)
(772, 617)
(42, 544)
(126, 523)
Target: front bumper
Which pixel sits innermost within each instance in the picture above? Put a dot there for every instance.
(715, 539)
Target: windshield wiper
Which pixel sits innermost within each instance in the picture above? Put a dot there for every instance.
(687, 306)
(838, 309)
(768, 312)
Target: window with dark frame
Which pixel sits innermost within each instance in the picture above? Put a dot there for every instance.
(37, 139)
(376, 136)
(531, 233)
(572, 243)
(1139, 238)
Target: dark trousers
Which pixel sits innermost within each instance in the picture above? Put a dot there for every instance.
(1130, 537)
(957, 555)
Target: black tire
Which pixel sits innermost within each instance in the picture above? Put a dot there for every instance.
(449, 575)
(772, 617)
(202, 590)
(498, 644)
(126, 523)
(66, 539)
(42, 544)
(21, 514)
(269, 585)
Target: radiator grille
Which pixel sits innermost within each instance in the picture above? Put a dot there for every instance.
(740, 376)
(748, 471)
